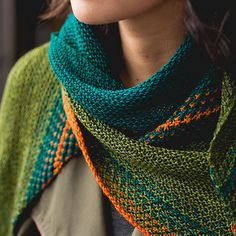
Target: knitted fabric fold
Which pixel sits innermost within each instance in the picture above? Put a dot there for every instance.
(160, 180)
(81, 64)
(162, 151)
(160, 191)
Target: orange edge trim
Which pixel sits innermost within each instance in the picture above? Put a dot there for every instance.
(76, 129)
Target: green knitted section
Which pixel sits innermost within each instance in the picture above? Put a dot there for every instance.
(223, 149)
(28, 98)
(36, 140)
(166, 186)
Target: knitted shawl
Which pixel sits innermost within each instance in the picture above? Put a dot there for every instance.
(162, 151)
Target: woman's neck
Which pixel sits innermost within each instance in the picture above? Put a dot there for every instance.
(149, 40)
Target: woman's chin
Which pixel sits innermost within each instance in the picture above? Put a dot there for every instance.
(109, 11)
(95, 18)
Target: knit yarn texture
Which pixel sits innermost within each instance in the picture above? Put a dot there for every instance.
(163, 151)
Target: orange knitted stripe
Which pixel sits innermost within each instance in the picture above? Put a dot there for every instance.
(57, 160)
(233, 227)
(79, 136)
(176, 122)
(187, 119)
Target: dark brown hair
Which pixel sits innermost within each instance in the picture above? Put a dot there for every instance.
(211, 23)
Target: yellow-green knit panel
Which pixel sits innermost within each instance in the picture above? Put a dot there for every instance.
(27, 100)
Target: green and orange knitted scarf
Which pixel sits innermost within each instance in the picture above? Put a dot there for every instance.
(164, 151)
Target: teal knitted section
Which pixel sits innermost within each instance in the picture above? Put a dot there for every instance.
(80, 62)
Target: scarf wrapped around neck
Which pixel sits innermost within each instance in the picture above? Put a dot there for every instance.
(163, 151)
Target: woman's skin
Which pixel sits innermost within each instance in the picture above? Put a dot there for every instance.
(150, 30)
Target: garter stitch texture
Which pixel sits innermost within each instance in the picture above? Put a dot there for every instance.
(162, 151)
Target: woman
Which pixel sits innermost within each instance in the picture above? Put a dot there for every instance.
(124, 124)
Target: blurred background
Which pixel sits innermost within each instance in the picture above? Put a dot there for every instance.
(20, 31)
